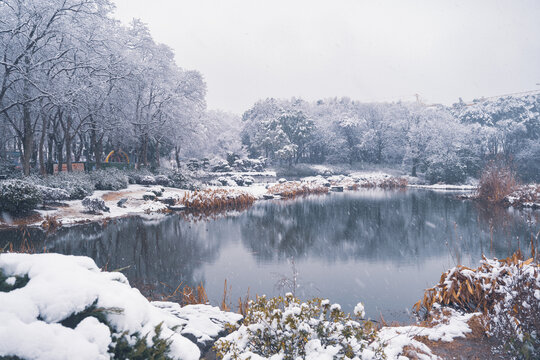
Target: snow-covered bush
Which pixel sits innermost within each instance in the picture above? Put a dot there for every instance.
(220, 165)
(248, 180)
(248, 164)
(63, 308)
(179, 180)
(77, 184)
(147, 180)
(162, 180)
(18, 196)
(225, 181)
(148, 196)
(289, 329)
(140, 177)
(94, 205)
(158, 190)
(524, 196)
(506, 291)
(51, 195)
(110, 179)
(238, 179)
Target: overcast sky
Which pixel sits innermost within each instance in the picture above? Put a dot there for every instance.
(366, 50)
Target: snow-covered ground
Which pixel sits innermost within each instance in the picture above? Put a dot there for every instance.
(63, 307)
(74, 212)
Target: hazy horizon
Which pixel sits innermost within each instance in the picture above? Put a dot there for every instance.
(369, 51)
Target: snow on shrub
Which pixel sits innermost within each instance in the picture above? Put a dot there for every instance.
(94, 205)
(180, 180)
(63, 307)
(51, 195)
(77, 184)
(143, 177)
(157, 190)
(318, 180)
(18, 196)
(506, 291)
(524, 196)
(162, 180)
(225, 181)
(248, 180)
(147, 180)
(149, 195)
(110, 179)
(285, 328)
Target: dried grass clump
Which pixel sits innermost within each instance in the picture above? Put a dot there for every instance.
(194, 296)
(498, 180)
(506, 292)
(296, 188)
(216, 200)
(478, 289)
(182, 294)
(394, 183)
(51, 224)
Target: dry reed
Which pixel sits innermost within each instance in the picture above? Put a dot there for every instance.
(295, 188)
(474, 289)
(51, 224)
(216, 200)
(498, 180)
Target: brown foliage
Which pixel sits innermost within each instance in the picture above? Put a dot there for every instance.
(216, 200)
(474, 289)
(51, 224)
(295, 188)
(498, 180)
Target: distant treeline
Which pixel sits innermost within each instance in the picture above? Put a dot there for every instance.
(446, 143)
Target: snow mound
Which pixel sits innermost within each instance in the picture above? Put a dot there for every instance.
(64, 307)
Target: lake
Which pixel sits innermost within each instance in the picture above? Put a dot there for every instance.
(376, 246)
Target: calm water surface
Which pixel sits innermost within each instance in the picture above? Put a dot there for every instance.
(379, 247)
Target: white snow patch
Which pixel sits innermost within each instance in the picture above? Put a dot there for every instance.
(61, 286)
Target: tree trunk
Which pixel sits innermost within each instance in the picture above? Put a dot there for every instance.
(157, 154)
(59, 154)
(41, 155)
(97, 153)
(145, 151)
(27, 141)
(80, 148)
(68, 139)
(415, 164)
(50, 140)
(177, 156)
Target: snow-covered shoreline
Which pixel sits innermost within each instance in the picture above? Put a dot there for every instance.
(82, 312)
(64, 307)
(139, 200)
(134, 203)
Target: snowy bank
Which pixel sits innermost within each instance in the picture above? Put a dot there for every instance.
(63, 307)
